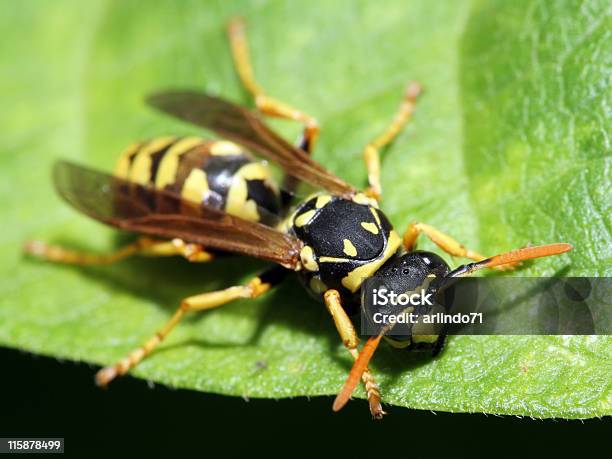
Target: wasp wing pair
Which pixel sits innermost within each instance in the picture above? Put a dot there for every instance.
(163, 213)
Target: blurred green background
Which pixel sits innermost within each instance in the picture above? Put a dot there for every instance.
(509, 146)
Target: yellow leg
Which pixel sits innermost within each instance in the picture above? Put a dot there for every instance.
(371, 152)
(143, 246)
(256, 287)
(264, 103)
(445, 242)
(347, 332)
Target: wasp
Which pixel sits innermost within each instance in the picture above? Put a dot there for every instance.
(196, 198)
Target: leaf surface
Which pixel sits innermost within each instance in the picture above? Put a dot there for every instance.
(509, 146)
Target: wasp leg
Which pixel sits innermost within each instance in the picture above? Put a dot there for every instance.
(143, 246)
(371, 152)
(347, 332)
(264, 103)
(445, 242)
(254, 288)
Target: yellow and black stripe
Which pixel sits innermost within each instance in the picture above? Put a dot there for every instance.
(215, 173)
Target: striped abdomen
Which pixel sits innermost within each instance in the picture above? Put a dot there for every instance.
(217, 173)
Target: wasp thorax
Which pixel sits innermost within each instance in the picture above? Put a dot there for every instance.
(345, 241)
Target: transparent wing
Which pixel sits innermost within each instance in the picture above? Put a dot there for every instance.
(246, 128)
(164, 214)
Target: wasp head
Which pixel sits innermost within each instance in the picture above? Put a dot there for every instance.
(400, 296)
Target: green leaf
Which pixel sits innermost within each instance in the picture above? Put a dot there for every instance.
(510, 145)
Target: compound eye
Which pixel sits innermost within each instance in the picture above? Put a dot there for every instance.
(431, 259)
(434, 263)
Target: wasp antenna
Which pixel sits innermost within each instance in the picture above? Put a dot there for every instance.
(526, 253)
(355, 375)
